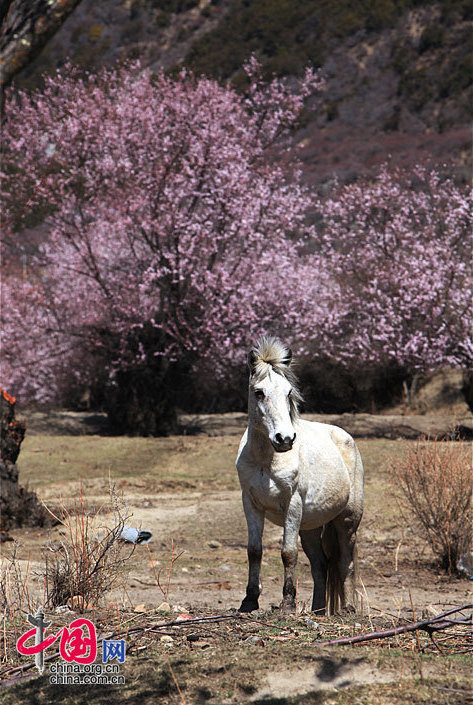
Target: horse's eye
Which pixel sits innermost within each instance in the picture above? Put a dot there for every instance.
(259, 394)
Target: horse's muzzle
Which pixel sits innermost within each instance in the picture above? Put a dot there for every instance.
(283, 444)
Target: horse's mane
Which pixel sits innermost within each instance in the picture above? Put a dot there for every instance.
(271, 353)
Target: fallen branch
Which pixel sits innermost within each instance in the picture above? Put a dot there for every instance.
(26, 666)
(179, 623)
(430, 626)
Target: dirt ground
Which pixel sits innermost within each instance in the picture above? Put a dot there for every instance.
(185, 491)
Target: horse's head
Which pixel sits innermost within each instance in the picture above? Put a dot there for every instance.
(273, 396)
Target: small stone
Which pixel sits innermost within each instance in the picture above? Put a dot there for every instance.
(166, 639)
(164, 607)
(311, 623)
(225, 567)
(214, 544)
(79, 602)
(140, 608)
(184, 570)
(62, 608)
(255, 640)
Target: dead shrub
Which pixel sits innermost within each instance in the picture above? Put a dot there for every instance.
(436, 479)
(90, 560)
(14, 579)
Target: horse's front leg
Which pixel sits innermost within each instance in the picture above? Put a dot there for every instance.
(292, 523)
(255, 521)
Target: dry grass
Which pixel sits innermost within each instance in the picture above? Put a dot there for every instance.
(229, 660)
(436, 480)
(81, 569)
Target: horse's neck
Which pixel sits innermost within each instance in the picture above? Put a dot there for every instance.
(260, 446)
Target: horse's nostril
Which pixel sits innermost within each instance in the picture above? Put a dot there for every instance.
(279, 439)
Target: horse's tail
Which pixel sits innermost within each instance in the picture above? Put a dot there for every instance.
(335, 590)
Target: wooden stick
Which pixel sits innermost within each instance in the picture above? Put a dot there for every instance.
(428, 625)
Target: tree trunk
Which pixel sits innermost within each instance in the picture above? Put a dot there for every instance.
(145, 394)
(468, 387)
(18, 506)
(143, 402)
(26, 26)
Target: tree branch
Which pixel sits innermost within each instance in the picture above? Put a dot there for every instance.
(429, 625)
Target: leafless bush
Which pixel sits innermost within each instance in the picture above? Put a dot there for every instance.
(14, 593)
(90, 560)
(436, 479)
(174, 556)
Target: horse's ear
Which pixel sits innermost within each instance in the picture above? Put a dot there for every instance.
(252, 357)
(288, 359)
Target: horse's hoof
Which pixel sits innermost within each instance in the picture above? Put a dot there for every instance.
(248, 606)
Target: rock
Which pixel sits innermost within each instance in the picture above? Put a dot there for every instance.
(214, 544)
(140, 608)
(166, 639)
(465, 565)
(311, 623)
(164, 607)
(78, 602)
(254, 641)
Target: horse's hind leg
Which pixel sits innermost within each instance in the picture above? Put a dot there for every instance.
(312, 546)
(339, 542)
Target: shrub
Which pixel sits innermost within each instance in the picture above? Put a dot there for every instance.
(91, 558)
(435, 478)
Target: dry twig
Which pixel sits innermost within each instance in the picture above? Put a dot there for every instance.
(430, 626)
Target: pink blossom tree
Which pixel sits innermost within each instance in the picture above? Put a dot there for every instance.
(399, 253)
(167, 242)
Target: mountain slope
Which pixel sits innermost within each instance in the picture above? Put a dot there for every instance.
(398, 74)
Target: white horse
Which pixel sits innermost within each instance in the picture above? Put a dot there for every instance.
(306, 477)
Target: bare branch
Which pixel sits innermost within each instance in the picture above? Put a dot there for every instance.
(429, 625)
